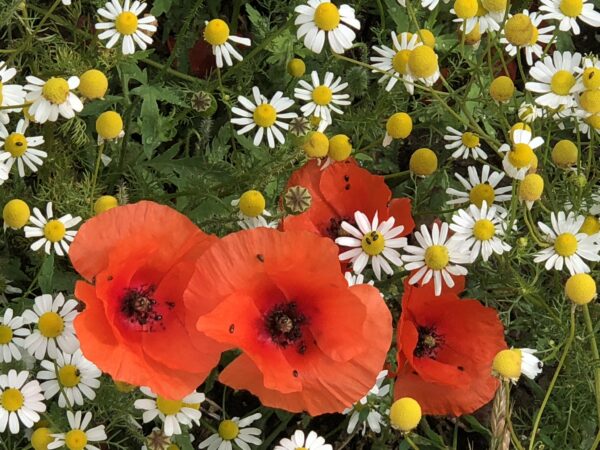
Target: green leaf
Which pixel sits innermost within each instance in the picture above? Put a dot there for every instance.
(46, 273)
(161, 6)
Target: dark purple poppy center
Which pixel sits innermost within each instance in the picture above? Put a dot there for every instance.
(428, 343)
(284, 324)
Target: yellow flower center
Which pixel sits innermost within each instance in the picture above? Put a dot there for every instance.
(109, 125)
(580, 288)
(54, 230)
(317, 145)
(593, 121)
(495, 5)
(436, 257)
(40, 438)
(465, 9)
(405, 414)
(56, 90)
(518, 29)
(502, 89)
(340, 147)
(300, 448)
(76, 440)
(590, 101)
(534, 35)
(228, 429)
(518, 126)
(16, 145)
(470, 140)
(507, 364)
(168, 407)
(571, 8)
(93, 84)
(216, 32)
(327, 16)
(565, 244)
(265, 115)
(16, 213)
(423, 161)
(296, 67)
(562, 82)
(564, 153)
(252, 203)
(426, 37)
(6, 334)
(12, 399)
(400, 61)
(423, 62)
(51, 325)
(481, 192)
(322, 95)
(1, 96)
(399, 126)
(126, 23)
(481, 11)
(591, 225)
(531, 187)
(69, 376)
(373, 243)
(484, 230)
(521, 156)
(590, 77)
(104, 203)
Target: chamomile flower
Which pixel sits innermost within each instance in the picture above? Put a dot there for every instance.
(16, 147)
(51, 98)
(538, 36)
(79, 437)
(52, 233)
(321, 18)
(298, 440)
(20, 401)
(394, 61)
(464, 144)
(172, 413)
(236, 431)
(479, 189)
(436, 257)
(10, 94)
(555, 79)
(528, 112)
(372, 241)
(265, 114)
(519, 157)
(569, 247)
(429, 4)
(53, 320)
(354, 279)
(423, 65)
(252, 212)
(323, 99)
(216, 33)
(473, 15)
(370, 402)
(71, 376)
(12, 334)
(480, 230)
(568, 11)
(510, 364)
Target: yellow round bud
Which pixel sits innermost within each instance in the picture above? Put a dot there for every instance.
(495, 6)
(423, 62)
(580, 289)
(564, 153)
(252, 203)
(399, 126)
(16, 214)
(296, 67)
(109, 125)
(502, 89)
(531, 188)
(40, 438)
(591, 78)
(590, 226)
(426, 37)
(518, 29)
(317, 145)
(340, 147)
(423, 162)
(518, 126)
(590, 101)
(124, 387)
(105, 203)
(465, 9)
(405, 414)
(93, 84)
(507, 364)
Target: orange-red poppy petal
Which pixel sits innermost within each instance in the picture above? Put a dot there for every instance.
(401, 210)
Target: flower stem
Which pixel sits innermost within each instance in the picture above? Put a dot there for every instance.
(590, 329)
(411, 443)
(95, 176)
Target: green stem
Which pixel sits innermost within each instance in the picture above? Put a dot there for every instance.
(170, 71)
(411, 443)
(392, 176)
(95, 176)
(48, 13)
(22, 105)
(594, 345)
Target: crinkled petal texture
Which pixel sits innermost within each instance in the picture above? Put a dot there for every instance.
(309, 342)
(338, 192)
(446, 346)
(139, 259)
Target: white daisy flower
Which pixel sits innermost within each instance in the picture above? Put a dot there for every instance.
(54, 326)
(528, 112)
(216, 33)
(172, 413)
(569, 247)
(480, 189)
(51, 98)
(19, 401)
(354, 279)
(10, 94)
(429, 4)
(16, 147)
(587, 124)
(4, 172)
(436, 257)
(531, 365)
(533, 47)
(298, 440)
(480, 230)
(464, 144)
(322, 98)
(52, 233)
(319, 18)
(124, 22)
(12, 334)
(78, 437)
(373, 419)
(252, 212)
(71, 375)
(394, 61)
(568, 11)
(236, 431)
(484, 19)
(372, 241)
(520, 157)
(555, 79)
(265, 114)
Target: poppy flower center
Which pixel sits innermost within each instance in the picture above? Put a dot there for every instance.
(76, 440)
(322, 95)
(562, 82)
(51, 325)
(69, 376)
(400, 61)
(56, 90)
(334, 228)
(484, 230)
(16, 144)
(327, 16)
(565, 244)
(284, 325)
(436, 257)
(470, 140)
(216, 32)
(428, 343)
(126, 23)
(265, 115)
(139, 307)
(6, 334)
(480, 193)
(571, 8)
(12, 400)
(228, 430)
(168, 407)
(54, 230)
(373, 243)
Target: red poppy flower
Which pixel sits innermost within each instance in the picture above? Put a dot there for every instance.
(446, 346)
(341, 190)
(140, 258)
(309, 341)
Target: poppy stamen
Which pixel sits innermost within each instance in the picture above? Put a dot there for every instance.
(428, 343)
(139, 306)
(284, 325)
(334, 229)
